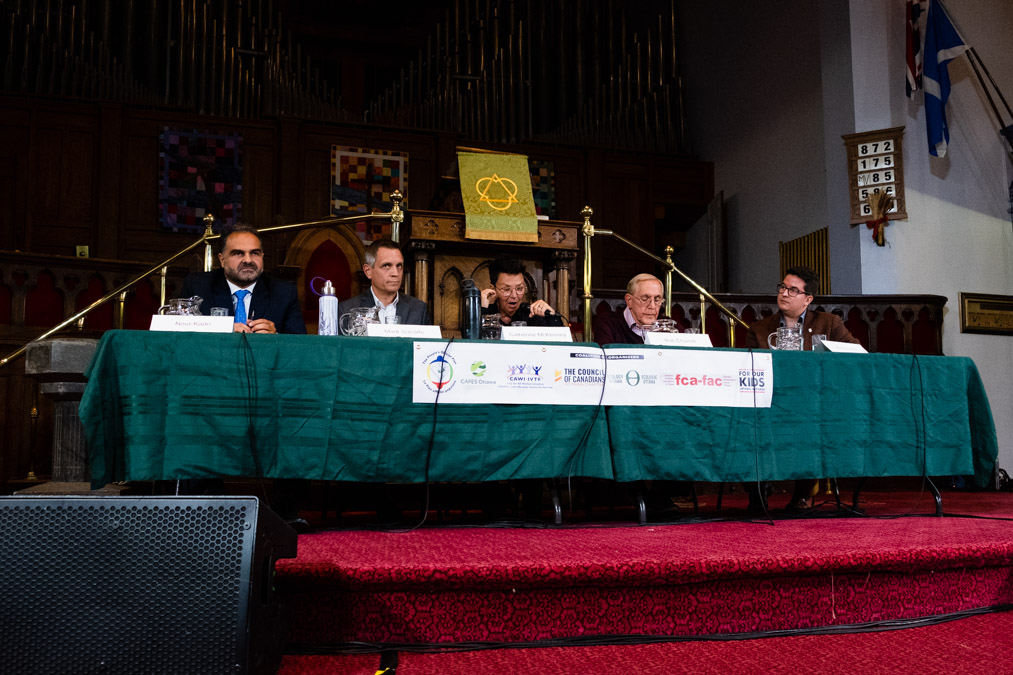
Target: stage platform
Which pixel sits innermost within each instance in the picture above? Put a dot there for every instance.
(718, 574)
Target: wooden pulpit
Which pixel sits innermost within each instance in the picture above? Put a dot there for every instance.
(443, 258)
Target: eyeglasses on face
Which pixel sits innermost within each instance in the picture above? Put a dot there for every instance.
(791, 290)
(649, 299)
(506, 291)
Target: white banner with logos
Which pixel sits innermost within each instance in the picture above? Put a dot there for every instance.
(541, 374)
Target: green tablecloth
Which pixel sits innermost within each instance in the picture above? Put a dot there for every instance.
(831, 415)
(187, 405)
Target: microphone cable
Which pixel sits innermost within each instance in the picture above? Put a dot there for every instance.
(252, 392)
(582, 442)
(760, 490)
(429, 446)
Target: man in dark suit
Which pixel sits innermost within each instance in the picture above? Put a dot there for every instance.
(269, 305)
(644, 295)
(384, 267)
(259, 304)
(794, 295)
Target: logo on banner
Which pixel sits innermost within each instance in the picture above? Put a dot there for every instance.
(439, 371)
(681, 380)
(752, 380)
(634, 378)
(527, 375)
(479, 372)
(583, 376)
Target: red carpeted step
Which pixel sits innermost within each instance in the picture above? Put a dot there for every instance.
(456, 585)
(978, 644)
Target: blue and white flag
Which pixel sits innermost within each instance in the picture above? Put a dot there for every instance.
(942, 45)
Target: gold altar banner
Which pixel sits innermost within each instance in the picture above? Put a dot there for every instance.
(498, 200)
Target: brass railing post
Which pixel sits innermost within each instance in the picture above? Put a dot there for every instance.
(209, 259)
(33, 415)
(703, 315)
(668, 280)
(396, 216)
(121, 309)
(588, 231)
(161, 292)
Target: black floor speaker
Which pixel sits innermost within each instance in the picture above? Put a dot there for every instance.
(140, 585)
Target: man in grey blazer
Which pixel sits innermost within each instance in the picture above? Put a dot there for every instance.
(384, 267)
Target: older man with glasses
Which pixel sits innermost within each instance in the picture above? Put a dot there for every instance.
(794, 295)
(644, 295)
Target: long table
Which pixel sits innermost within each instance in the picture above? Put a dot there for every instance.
(190, 405)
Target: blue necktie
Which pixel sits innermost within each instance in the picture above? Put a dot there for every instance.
(241, 306)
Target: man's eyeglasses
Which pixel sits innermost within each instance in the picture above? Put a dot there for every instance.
(648, 299)
(507, 292)
(791, 290)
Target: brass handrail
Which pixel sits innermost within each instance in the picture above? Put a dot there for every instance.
(105, 298)
(396, 216)
(588, 230)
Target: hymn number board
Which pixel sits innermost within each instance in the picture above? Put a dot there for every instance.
(875, 164)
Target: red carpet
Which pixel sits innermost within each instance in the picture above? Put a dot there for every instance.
(445, 585)
(978, 644)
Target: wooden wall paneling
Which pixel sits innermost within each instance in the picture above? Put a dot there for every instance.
(593, 182)
(259, 168)
(108, 182)
(19, 450)
(138, 224)
(15, 131)
(289, 173)
(571, 195)
(63, 197)
(316, 187)
(626, 210)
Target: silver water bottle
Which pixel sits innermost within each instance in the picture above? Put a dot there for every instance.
(328, 324)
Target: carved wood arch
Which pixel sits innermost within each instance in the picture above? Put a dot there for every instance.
(301, 252)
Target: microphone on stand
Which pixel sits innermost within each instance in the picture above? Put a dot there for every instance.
(527, 306)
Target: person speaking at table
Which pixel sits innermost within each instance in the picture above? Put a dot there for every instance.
(384, 267)
(644, 295)
(505, 296)
(258, 302)
(794, 295)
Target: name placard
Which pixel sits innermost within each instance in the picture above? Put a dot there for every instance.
(404, 330)
(537, 333)
(191, 324)
(845, 347)
(677, 339)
